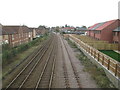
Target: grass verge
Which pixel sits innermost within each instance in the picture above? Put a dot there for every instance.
(96, 73)
(14, 61)
(112, 54)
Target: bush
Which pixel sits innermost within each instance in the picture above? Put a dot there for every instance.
(9, 52)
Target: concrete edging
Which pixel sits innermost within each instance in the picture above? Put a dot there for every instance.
(110, 75)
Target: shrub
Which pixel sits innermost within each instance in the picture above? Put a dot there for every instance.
(9, 52)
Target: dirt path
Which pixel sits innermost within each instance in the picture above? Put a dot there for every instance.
(84, 78)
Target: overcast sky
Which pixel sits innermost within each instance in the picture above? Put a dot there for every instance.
(57, 12)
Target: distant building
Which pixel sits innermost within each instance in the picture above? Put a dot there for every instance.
(81, 30)
(41, 30)
(16, 35)
(67, 29)
(33, 32)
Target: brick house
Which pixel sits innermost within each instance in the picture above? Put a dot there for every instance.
(16, 35)
(33, 32)
(41, 30)
(68, 29)
(104, 30)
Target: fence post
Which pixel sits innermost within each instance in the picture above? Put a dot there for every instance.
(108, 64)
(91, 52)
(98, 56)
(115, 69)
(103, 60)
(94, 54)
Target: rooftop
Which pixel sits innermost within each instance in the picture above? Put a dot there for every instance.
(100, 26)
(14, 29)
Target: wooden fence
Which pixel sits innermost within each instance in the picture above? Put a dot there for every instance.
(109, 63)
(98, 44)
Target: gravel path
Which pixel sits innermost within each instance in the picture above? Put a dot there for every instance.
(84, 77)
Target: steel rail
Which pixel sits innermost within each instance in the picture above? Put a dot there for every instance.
(53, 69)
(67, 83)
(73, 67)
(31, 71)
(26, 66)
(43, 70)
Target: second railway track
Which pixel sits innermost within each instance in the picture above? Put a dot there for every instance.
(73, 67)
(23, 74)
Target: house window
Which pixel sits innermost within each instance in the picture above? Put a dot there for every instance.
(115, 41)
(19, 35)
(97, 32)
(25, 34)
(116, 33)
(113, 33)
(12, 37)
(22, 34)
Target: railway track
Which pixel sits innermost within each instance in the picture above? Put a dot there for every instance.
(46, 77)
(40, 70)
(22, 76)
(25, 60)
(67, 83)
(35, 67)
(73, 67)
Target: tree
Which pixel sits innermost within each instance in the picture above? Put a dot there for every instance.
(66, 25)
(84, 27)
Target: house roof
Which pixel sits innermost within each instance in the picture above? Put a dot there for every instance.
(68, 28)
(97, 26)
(81, 28)
(10, 29)
(105, 24)
(117, 29)
(100, 26)
(93, 26)
(14, 29)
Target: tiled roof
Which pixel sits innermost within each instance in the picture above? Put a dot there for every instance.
(10, 29)
(97, 26)
(106, 24)
(93, 26)
(100, 26)
(81, 28)
(67, 28)
(14, 29)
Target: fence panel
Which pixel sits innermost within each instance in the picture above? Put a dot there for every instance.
(109, 63)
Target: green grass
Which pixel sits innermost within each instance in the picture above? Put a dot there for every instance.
(112, 54)
(12, 62)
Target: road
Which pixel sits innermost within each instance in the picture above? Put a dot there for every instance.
(53, 65)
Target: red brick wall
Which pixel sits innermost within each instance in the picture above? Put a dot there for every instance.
(98, 36)
(88, 33)
(18, 39)
(107, 33)
(117, 38)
